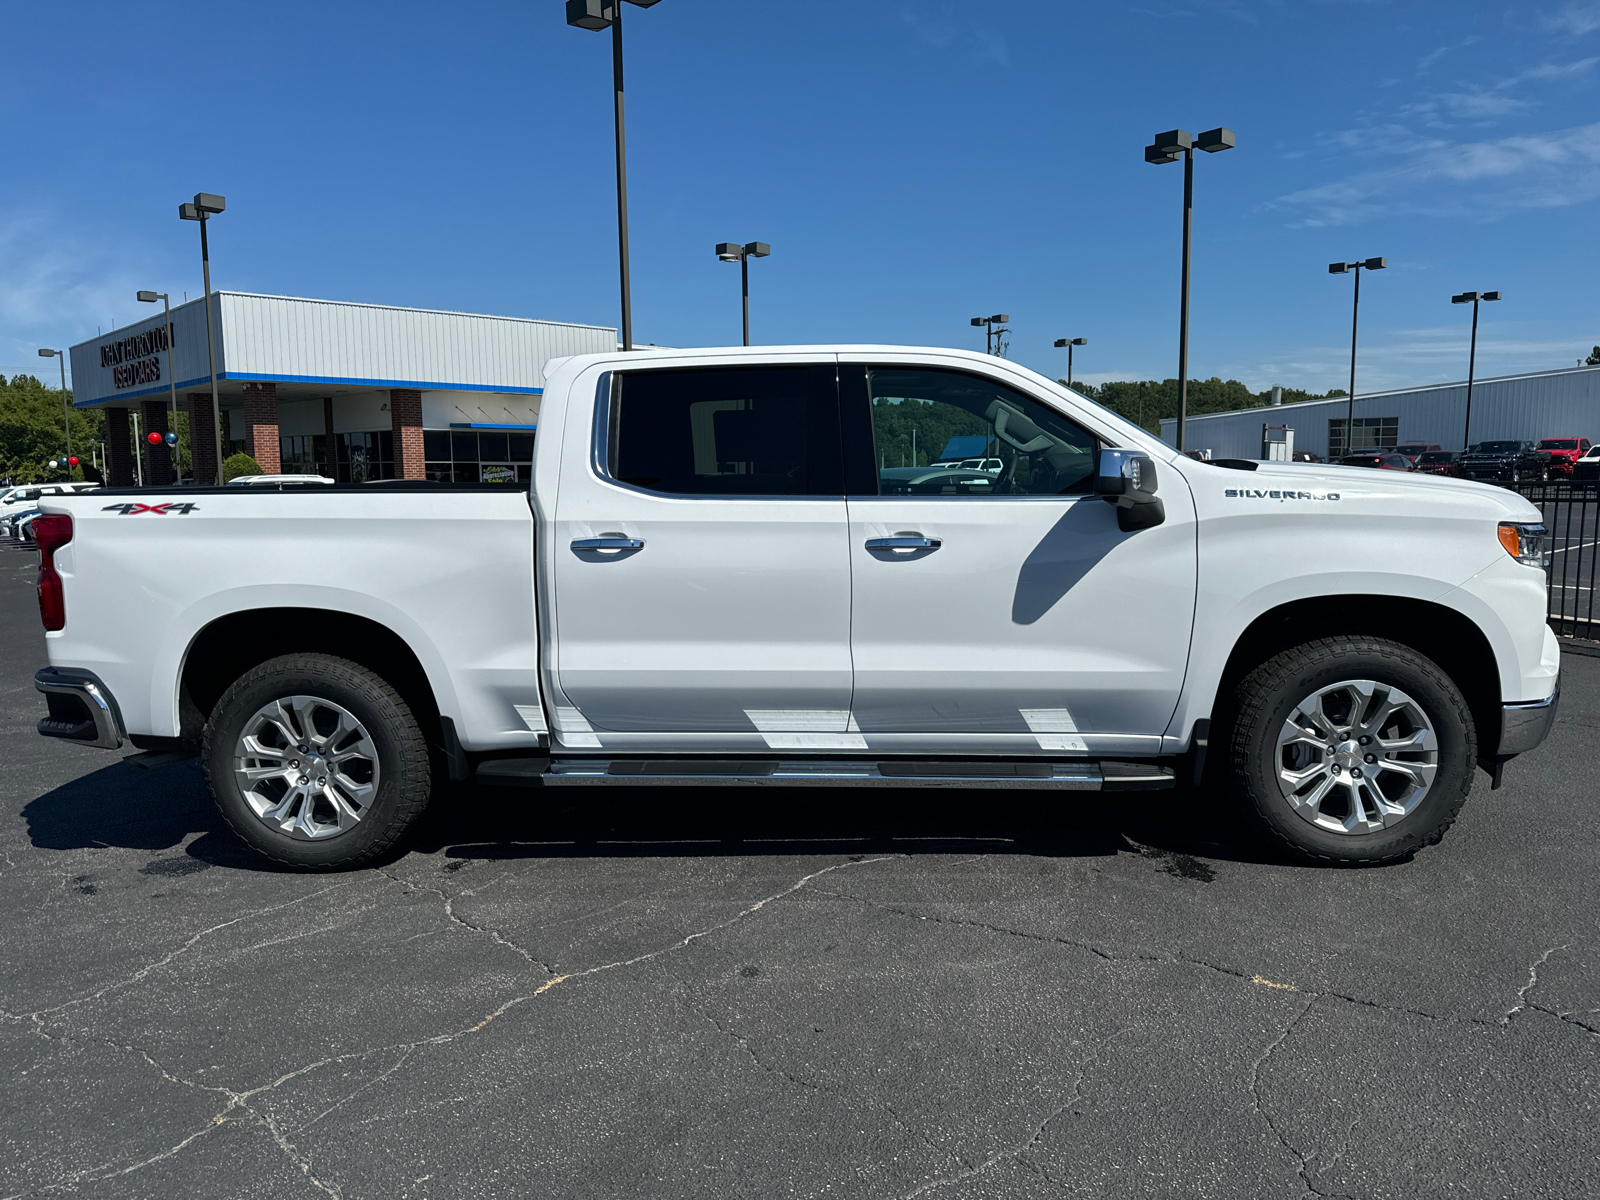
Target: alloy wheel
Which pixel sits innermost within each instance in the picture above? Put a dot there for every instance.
(1356, 757)
(306, 767)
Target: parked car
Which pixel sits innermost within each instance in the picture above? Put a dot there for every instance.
(1382, 461)
(1564, 453)
(257, 480)
(710, 580)
(9, 524)
(1414, 450)
(1306, 456)
(1437, 462)
(22, 525)
(1503, 462)
(29, 493)
(1587, 468)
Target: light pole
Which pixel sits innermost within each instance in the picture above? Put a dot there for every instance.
(1472, 355)
(987, 324)
(1165, 148)
(203, 207)
(1069, 343)
(66, 408)
(734, 252)
(607, 14)
(1339, 268)
(172, 380)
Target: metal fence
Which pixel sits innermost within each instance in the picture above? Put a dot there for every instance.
(1572, 521)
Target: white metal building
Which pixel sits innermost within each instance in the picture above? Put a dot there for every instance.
(1541, 404)
(353, 391)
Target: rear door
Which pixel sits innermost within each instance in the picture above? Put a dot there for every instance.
(1003, 610)
(702, 573)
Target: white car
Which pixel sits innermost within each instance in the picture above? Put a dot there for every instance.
(710, 581)
(256, 480)
(28, 493)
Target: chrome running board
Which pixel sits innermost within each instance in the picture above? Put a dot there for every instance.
(1065, 775)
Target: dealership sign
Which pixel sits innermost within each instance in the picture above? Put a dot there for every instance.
(135, 360)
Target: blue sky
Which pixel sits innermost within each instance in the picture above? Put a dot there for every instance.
(913, 164)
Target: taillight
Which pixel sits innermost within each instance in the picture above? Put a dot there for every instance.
(50, 533)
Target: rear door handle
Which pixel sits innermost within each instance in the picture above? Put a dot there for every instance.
(608, 544)
(904, 544)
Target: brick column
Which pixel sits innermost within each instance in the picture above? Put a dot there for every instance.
(153, 418)
(202, 439)
(405, 419)
(119, 448)
(261, 426)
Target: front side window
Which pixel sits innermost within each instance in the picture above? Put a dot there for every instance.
(946, 433)
(766, 431)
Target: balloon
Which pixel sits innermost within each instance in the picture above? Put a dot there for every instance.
(73, 461)
(54, 464)
(172, 438)
(153, 438)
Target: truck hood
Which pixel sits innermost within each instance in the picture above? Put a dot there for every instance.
(1367, 482)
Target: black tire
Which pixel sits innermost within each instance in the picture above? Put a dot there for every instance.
(1266, 697)
(404, 774)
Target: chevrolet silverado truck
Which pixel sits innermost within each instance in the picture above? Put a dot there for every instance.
(739, 567)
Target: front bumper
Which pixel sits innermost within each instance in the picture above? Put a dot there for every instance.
(1524, 726)
(82, 709)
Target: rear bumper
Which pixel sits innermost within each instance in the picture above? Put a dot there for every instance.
(82, 709)
(1524, 726)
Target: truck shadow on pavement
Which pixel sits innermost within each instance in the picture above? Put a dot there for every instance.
(164, 808)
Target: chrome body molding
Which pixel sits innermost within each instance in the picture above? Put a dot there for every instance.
(99, 724)
(1524, 726)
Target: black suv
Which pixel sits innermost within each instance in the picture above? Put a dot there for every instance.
(1504, 462)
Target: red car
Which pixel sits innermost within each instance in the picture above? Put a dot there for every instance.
(1438, 462)
(1414, 450)
(1384, 461)
(1564, 452)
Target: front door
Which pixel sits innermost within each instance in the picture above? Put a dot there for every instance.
(997, 606)
(702, 571)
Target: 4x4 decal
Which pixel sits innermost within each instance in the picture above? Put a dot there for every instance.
(129, 510)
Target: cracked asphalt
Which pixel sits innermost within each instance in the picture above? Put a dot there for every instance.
(788, 993)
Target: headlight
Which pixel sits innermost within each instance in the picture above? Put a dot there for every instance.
(1525, 543)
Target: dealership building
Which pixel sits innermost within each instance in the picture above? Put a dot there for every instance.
(1539, 404)
(350, 391)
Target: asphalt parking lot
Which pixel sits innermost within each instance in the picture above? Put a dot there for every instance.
(748, 993)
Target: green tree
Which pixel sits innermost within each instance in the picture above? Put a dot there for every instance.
(1147, 402)
(33, 431)
(1594, 358)
(236, 465)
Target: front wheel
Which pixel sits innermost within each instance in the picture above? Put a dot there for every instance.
(316, 762)
(1351, 751)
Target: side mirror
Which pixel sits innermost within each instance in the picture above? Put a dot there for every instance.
(1127, 479)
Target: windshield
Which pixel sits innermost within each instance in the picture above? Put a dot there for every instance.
(1497, 447)
(1559, 444)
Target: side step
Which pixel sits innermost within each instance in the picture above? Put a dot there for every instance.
(1066, 775)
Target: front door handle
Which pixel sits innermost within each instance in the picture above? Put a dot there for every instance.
(904, 543)
(608, 545)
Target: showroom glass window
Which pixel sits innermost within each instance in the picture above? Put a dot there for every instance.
(767, 431)
(478, 455)
(948, 433)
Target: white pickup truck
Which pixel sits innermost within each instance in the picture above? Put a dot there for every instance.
(732, 566)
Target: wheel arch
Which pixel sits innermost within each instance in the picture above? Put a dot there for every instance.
(227, 647)
(1445, 635)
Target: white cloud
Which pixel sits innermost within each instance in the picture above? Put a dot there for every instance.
(1543, 170)
(1577, 19)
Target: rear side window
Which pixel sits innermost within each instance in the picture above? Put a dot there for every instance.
(766, 431)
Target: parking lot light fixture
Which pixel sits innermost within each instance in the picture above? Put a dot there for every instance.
(734, 252)
(172, 380)
(989, 331)
(1343, 268)
(596, 15)
(66, 409)
(1472, 298)
(204, 206)
(1169, 147)
(1069, 343)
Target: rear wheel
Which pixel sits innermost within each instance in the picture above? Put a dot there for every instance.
(316, 762)
(1351, 750)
